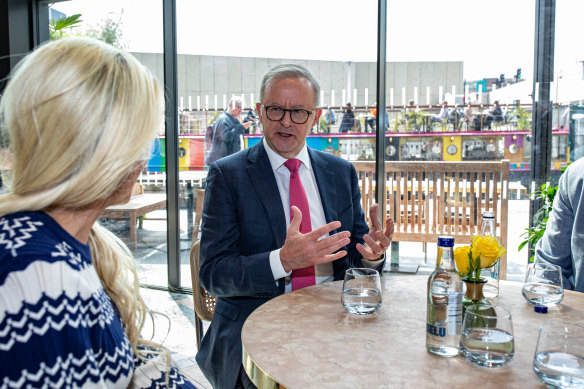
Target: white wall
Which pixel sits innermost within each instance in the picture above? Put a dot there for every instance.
(218, 75)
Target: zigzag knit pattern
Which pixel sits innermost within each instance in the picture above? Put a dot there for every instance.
(58, 326)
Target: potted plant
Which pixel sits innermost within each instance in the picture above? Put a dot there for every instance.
(533, 234)
(58, 26)
(414, 120)
(521, 117)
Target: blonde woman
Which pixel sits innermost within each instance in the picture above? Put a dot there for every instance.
(79, 117)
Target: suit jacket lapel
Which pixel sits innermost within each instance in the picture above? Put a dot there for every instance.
(262, 178)
(325, 180)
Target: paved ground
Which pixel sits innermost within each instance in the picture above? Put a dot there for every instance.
(175, 309)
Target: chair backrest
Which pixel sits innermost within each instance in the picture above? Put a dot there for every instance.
(198, 213)
(429, 199)
(203, 301)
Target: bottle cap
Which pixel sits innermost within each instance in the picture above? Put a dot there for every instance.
(446, 241)
(540, 308)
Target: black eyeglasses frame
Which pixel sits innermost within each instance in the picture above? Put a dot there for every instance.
(267, 107)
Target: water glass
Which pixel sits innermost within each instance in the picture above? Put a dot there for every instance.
(543, 284)
(361, 291)
(487, 335)
(559, 355)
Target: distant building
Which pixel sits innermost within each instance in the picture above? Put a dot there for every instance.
(54, 14)
(206, 78)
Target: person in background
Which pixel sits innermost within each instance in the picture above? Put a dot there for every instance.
(348, 119)
(370, 122)
(330, 117)
(495, 114)
(411, 116)
(227, 132)
(562, 243)
(250, 117)
(411, 107)
(266, 210)
(468, 116)
(80, 117)
(442, 115)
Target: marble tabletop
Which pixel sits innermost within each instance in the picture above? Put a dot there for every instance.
(306, 339)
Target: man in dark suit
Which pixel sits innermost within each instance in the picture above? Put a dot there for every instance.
(250, 250)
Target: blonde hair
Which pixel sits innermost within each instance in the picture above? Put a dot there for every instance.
(79, 117)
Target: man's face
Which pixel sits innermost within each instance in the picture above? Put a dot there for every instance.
(284, 136)
(235, 111)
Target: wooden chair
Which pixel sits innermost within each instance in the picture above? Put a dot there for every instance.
(429, 199)
(203, 301)
(198, 213)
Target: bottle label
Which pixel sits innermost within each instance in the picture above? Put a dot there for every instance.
(445, 318)
(454, 313)
(436, 330)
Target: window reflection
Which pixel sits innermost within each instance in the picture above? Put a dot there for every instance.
(136, 27)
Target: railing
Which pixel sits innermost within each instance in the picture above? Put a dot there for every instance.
(403, 119)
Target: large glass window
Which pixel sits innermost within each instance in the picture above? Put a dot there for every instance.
(568, 83)
(135, 26)
(230, 47)
(448, 63)
(459, 90)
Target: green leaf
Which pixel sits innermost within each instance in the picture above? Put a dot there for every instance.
(56, 26)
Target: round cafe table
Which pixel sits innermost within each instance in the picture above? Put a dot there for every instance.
(306, 339)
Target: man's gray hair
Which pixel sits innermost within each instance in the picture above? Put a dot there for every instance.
(283, 71)
(235, 101)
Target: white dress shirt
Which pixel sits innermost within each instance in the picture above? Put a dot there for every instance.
(323, 271)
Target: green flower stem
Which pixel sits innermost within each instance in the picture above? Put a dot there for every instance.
(474, 273)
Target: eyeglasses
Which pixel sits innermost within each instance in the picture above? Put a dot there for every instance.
(297, 115)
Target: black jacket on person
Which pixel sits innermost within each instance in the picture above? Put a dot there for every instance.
(348, 121)
(226, 137)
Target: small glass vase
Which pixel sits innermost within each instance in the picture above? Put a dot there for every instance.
(474, 294)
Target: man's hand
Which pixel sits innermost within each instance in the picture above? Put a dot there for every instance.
(302, 250)
(246, 125)
(377, 241)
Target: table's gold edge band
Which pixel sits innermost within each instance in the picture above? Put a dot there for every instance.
(257, 375)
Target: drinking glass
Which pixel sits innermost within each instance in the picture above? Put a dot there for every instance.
(487, 335)
(543, 284)
(361, 291)
(559, 355)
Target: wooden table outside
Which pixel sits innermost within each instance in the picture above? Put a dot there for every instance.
(306, 339)
(137, 206)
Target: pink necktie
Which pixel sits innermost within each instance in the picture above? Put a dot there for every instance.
(305, 276)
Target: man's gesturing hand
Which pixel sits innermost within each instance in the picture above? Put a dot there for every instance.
(376, 241)
(302, 250)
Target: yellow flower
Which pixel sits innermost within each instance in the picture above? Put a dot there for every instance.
(489, 250)
(461, 259)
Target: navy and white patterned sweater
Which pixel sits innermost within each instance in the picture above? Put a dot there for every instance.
(58, 326)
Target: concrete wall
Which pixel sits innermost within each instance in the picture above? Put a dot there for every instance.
(210, 76)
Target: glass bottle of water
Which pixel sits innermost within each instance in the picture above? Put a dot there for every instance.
(444, 312)
(492, 274)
